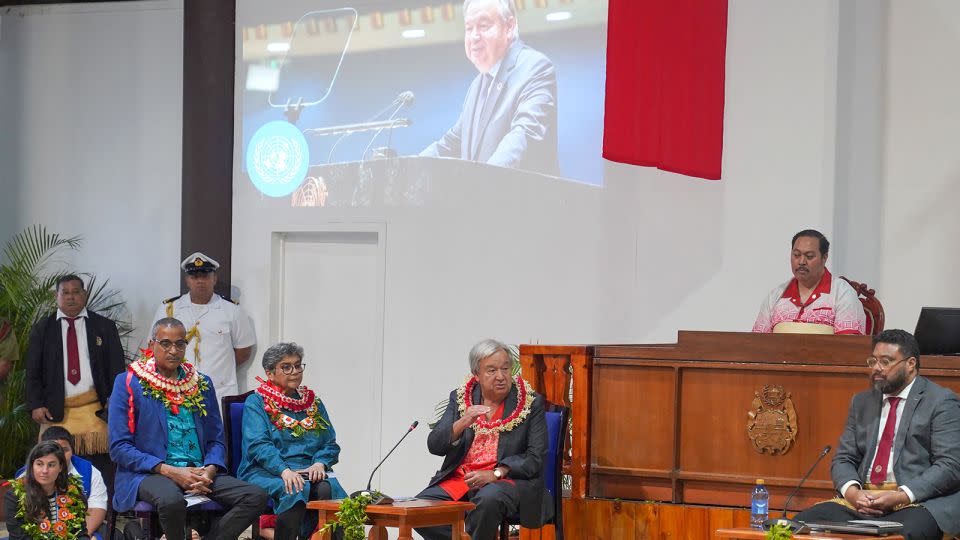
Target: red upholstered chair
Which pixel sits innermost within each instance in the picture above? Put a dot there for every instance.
(871, 306)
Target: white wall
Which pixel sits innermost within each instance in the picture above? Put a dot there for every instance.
(555, 262)
(921, 181)
(90, 108)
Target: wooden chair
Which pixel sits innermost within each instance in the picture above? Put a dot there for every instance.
(871, 306)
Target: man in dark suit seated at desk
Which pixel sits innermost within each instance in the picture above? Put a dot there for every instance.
(899, 455)
(509, 117)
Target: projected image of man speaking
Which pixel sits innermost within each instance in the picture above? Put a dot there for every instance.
(509, 116)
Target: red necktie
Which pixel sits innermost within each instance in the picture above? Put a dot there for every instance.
(878, 474)
(73, 352)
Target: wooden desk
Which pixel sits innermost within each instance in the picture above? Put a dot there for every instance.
(751, 534)
(403, 515)
(668, 424)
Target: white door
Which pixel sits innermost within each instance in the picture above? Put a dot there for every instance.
(330, 292)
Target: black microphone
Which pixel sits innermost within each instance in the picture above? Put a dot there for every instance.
(795, 526)
(377, 497)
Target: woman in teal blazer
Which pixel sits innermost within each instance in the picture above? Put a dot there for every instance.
(289, 444)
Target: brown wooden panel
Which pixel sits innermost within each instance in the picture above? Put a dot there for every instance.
(608, 520)
(945, 378)
(579, 469)
(668, 422)
(551, 371)
(570, 350)
(640, 488)
(749, 347)
(633, 417)
(693, 524)
(573, 518)
(713, 422)
(670, 520)
(556, 378)
(625, 520)
(738, 494)
(646, 521)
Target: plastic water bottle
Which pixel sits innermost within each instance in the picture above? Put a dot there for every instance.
(759, 507)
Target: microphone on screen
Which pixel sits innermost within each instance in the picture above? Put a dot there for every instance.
(405, 99)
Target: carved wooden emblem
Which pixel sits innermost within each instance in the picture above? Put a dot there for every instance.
(772, 424)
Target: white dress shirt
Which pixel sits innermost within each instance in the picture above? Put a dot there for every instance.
(884, 412)
(223, 326)
(85, 384)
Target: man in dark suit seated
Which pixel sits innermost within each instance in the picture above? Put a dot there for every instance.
(493, 437)
(509, 117)
(73, 356)
(899, 455)
(166, 437)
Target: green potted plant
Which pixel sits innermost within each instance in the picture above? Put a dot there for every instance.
(26, 294)
(352, 516)
(779, 532)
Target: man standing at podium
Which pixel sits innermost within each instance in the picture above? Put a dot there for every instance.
(899, 454)
(509, 117)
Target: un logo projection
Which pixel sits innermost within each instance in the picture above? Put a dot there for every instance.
(277, 158)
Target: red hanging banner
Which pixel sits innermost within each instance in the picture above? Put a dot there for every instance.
(665, 84)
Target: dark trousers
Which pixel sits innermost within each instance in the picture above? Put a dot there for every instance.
(494, 501)
(296, 522)
(918, 524)
(243, 503)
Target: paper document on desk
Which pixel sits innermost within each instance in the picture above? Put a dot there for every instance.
(193, 500)
(876, 523)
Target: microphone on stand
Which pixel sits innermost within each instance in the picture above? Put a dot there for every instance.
(375, 496)
(403, 100)
(795, 526)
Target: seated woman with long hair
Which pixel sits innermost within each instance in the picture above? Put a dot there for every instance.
(289, 445)
(47, 502)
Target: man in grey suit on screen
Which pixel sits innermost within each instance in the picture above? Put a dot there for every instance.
(899, 455)
(509, 117)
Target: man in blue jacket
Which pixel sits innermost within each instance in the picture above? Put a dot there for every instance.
(166, 437)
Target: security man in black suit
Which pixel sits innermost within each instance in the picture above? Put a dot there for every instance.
(73, 356)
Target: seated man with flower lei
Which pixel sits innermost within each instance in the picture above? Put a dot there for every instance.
(47, 502)
(289, 444)
(166, 437)
(493, 436)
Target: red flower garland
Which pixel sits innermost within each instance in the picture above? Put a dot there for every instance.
(524, 402)
(275, 401)
(271, 391)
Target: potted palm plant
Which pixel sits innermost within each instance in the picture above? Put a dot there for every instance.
(27, 293)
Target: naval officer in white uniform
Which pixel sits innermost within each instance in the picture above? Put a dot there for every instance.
(220, 334)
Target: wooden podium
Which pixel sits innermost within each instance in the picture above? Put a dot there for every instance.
(687, 428)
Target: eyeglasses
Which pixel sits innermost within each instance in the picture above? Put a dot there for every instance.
(166, 344)
(884, 361)
(290, 369)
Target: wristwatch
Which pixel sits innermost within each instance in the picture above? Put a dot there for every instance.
(498, 473)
